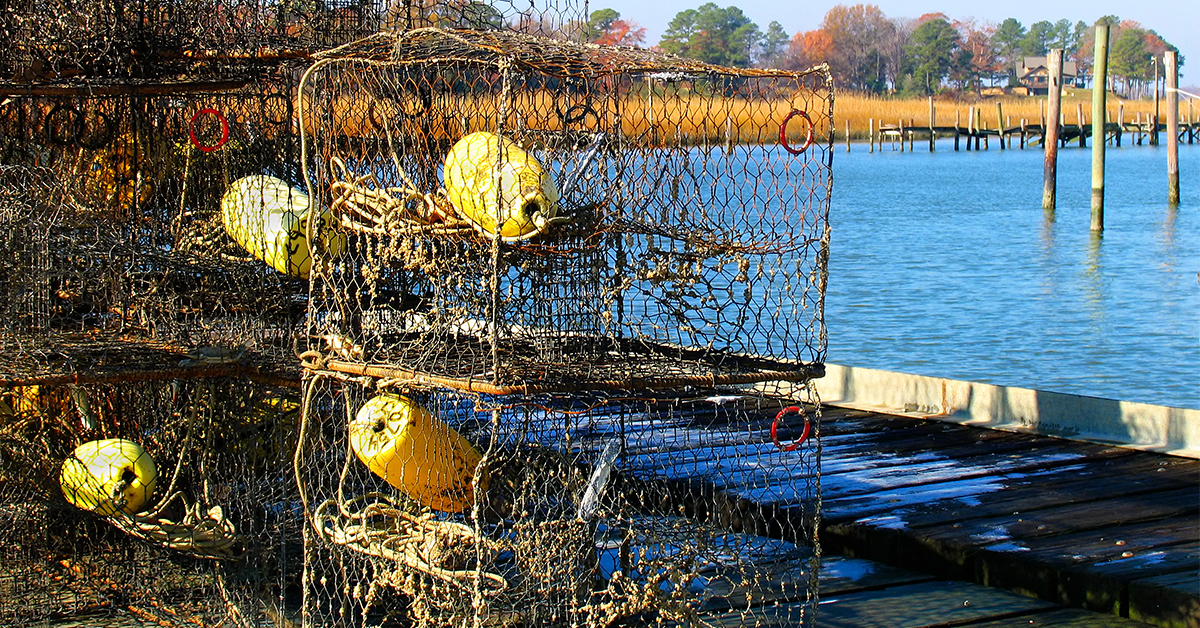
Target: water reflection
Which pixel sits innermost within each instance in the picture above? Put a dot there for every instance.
(946, 265)
(1094, 276)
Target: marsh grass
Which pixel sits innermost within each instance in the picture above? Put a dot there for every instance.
(696, 119)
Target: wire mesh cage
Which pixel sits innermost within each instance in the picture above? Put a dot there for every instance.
(155, 41)
(529, 214)
(434, 507)
(118, 225)
(168, 503)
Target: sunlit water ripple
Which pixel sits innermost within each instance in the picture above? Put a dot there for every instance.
(945, 264)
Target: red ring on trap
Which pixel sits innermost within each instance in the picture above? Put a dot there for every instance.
(208, 148)
(808, 137)
(803, 435)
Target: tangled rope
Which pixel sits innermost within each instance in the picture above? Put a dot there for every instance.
(202, 534)
(375, 525)
(379, 210)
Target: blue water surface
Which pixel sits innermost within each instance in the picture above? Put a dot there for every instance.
(945, 264)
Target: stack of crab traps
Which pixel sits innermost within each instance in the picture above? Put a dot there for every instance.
(546, 360)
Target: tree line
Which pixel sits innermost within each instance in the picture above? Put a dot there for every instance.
(870, 52)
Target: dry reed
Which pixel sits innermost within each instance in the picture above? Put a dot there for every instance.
(683, 119)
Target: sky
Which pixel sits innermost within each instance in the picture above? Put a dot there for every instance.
(1170, 19)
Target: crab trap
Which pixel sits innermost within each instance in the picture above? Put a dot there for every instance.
(164, 41)
(165, 503)
(526, 215)
(434, 507)
(162, 224)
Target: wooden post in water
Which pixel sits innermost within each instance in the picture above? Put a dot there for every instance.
(1000, 122)
(871, 135)
(971, 126)
(1079, 121)
(902, 135)
(932, 123)
(1050, 129)
(1157, 116)
(1120, 121)
(1099, 93)
(847, 135)
(1172, 69)
(1023, 125)
(957, 133)
(912, 133)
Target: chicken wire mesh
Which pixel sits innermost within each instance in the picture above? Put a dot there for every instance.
(529, 214)
(114, 231)
(433, 507)
(150, 41)
(154, 503)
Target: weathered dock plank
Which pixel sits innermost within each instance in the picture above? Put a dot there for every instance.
(1059, 520)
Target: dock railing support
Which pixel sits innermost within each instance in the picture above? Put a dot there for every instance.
(1172, 67)
(1050, 129)
(1099, 92)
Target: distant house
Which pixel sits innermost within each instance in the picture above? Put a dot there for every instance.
(1033, 74)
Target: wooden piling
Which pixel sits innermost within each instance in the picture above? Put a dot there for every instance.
(912, 134)
(1157, 116)
(1120, 121)
(932, 124)
(1079, 122)
(902, 135)
(1170, 62)
(871, 135)
(1000, 122)
(847, 135)
(1099, 93)
(1050, 129)
(957, 122)
(970, 126)
(1024, 130)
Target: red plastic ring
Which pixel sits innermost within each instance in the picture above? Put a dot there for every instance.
(808, 138)
(208, 148)
(803, 435)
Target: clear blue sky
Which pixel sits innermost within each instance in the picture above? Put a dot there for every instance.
(1172, 19)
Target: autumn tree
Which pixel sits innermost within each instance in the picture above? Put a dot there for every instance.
(599, 22)
(977, 40)
(857, 36)
(722, 36)
(808, 49)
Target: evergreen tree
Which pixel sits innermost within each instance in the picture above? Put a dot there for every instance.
(931, 52)
(713, 35)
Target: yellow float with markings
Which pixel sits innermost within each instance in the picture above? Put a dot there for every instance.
(269, 218)
(493, 183)
(109, 476)
(415, 452)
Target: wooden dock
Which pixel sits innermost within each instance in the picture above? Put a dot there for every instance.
(1026, 135)
(991, 528)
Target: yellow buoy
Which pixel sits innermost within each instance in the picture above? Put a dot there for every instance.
(269, 218)
(491, 181)
(109, 476)
(127, 172)
(415, 452)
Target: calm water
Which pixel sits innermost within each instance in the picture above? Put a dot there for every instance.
(945, 265)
